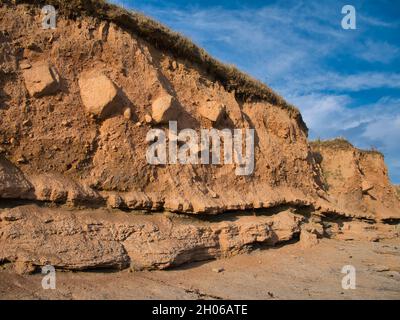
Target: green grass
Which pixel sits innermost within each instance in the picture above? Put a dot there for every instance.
(245, 87)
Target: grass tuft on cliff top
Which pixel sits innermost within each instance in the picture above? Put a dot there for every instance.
(341, 144)
(245, 87)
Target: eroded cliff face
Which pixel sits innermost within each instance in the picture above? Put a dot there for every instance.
(76, 104)
(357, 181)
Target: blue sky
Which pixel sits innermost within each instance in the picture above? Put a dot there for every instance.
(345, 82)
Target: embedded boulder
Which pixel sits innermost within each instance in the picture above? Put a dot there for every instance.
(212, 111)
(308, 239)
(13, 183)
(366, 186)
(164, 109)
(41, 79)
(99, 94)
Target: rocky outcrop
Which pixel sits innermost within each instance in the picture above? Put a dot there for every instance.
(33, 236)
(164, 109)
(359, 230)
(212, 111)
(99, 94)
(40, 79)
(357, 181)
(59, 189)
(13, 183)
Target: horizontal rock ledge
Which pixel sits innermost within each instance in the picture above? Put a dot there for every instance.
(31, 236)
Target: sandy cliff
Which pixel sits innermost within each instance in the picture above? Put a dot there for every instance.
(76, 104)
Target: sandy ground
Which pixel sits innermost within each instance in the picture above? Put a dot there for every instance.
(288, 272)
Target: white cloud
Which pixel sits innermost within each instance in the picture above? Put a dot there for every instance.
(376, 22)
(321, 81)
(287, 44)
(378, 51)
(375, 125)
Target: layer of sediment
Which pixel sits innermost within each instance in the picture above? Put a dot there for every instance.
(33, 236)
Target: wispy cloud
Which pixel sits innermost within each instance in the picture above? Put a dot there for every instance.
(322, 81)
(376, 22)
(378, 51)
(373, 125)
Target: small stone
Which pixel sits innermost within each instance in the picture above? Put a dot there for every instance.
(13, 183)
(114, 201)
(22, 267)
(40, 80)
(308, 239)
(127, 113)
(25, 65)
(164, 109)
(138, 124)
(218, 270)
(213, 194)
(22, 160)
(66, 123)
(366, 186)
(99, 94)
(212, 111)
(148, 118)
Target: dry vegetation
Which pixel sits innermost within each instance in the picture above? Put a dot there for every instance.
(340, 144)
(398, 190)
(245, 87)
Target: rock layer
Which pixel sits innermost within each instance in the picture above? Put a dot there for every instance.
(36, 236)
